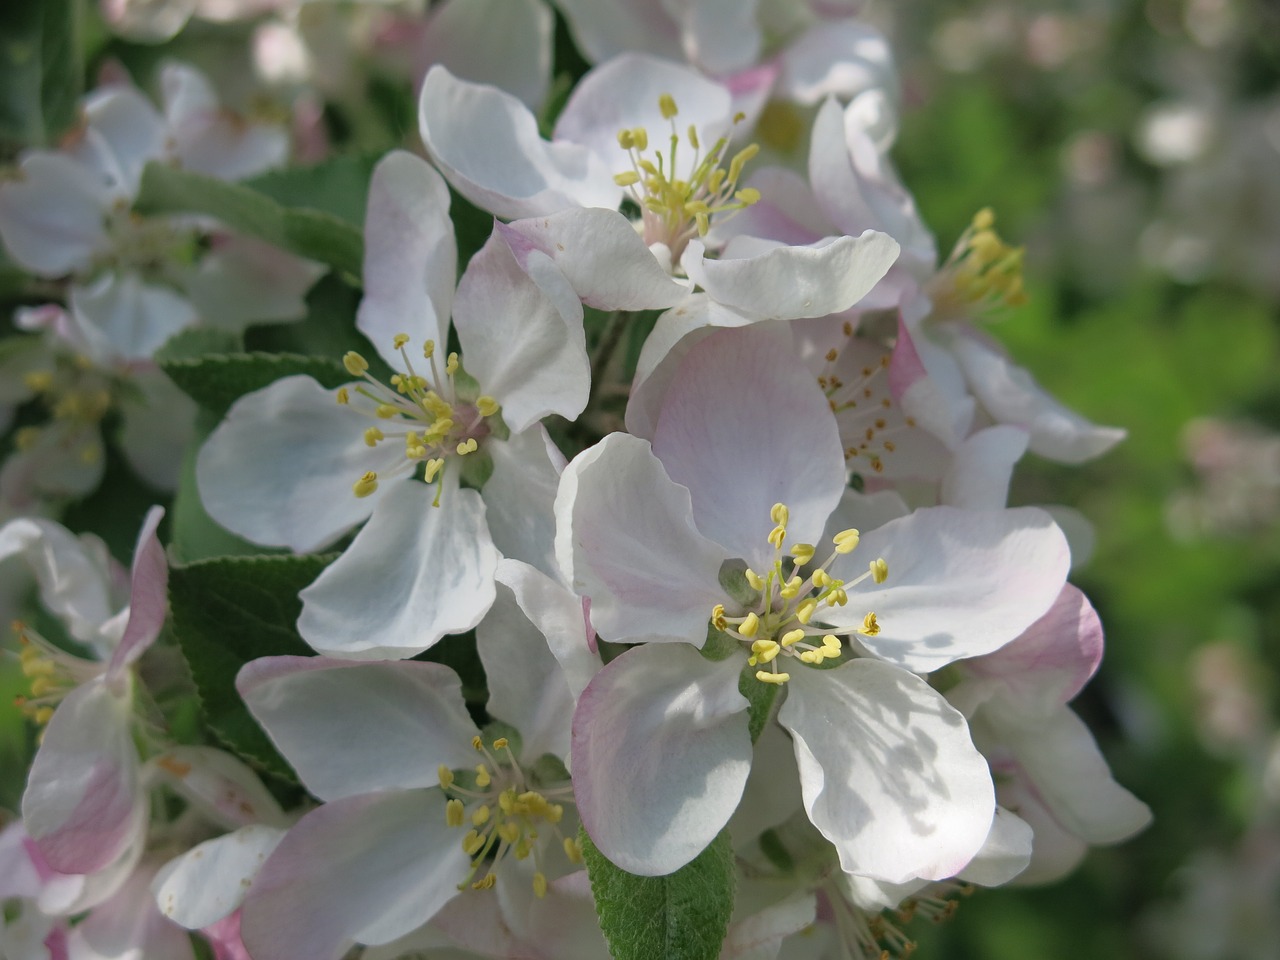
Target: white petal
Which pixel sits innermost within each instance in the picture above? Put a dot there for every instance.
(129, 925)
(219, 785)
(414, 573)
(722, 36)
(841, 58)
(1005, 854)
(521, 334)
(506, 43)
(243, 280)
(74, 584)
(210, 880)
(605, 28)
(124, 124)
(961, 583)
(410, 257)
(601, 256)
(759, 935)
(888, 771)
(148, 596)
(660, 755)
(51, 216)
(207, 138)
(278, 470)
(367, 869)
(625, 538)
(744, 426)
(157, 427)
(520, 495)
(981, 468)
(349, 728)
(126, 319)
(486, 144)
(791, 282)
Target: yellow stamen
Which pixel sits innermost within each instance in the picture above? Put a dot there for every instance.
(366, 485)
(355, 364)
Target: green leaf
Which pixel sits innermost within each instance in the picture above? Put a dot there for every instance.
(339, 186)
(41, 69)
(309, 233)
(226, 612)
(216, 381)
(682, 916)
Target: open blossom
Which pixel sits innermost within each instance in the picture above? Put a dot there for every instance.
(746, 464)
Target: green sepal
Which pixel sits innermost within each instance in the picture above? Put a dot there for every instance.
(761, 697)
(681, 916)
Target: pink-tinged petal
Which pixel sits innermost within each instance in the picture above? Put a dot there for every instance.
(521, 334)
(520, 495)
(759, 935)
(1005, 854)
(157, 427)
(67, 894)
(888, 771)
(83, 805)
(840, 58)
(1044, 668)
(349, 728)
(661, 753)
(1055, 851)
(721, 36)
(981, 468)
(527, 688)
(561, 924)
(222, 787)
(606, 28)
(787, 212)
(205, 137)
(278, 470)
(243, 280)
(623, 94)
(601, 256)
(1011, 395)
(625, 538)
(224, 939)
(124, 318)
(505, 43)
(129, 925)
(125, 132)
(791, 282)
(148, 595)
(366, 869)
(410, 256)
(73, 577)
(209, 882)
(414, 573)
(1079, 531)
(961, 583)
(51, 215)
(486, 143)
(939, 404)
(560, 618)
(744, 426)
(20, 873)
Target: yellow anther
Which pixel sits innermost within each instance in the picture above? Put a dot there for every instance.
(453, 813)
(385, 411)
(792, 637)
(740, 160)
(765, 676)
(667, 104)
(399, 340)
(779, 514)
(747, 196)
(433, 468)
(43, 715)
(38, 381)
(879, 570)
(451, 365)
(429, 349)
(40, 686)
(703, 222)
(837, 597)
(539, 885)
(445, 775)
(477, 744)
(342, 396)
(626, 140)
(753, 579)
(365, 485)
(821, 579)
(482, 776)
(627, 178)
(749, 626)
(640, 138)
(507, 801)
(777, 535)
(572, 850)
(509, 831)
(481, 816)
(791, 590)
(485, 883)
(472, 843)
(811, 656)
(717, 617)
(501, 743)
(373, 435)
(766, 651)
(831, 644)
(692, 134)
(984, 219)
(870, 626)
(846, 541)
(467, 446)
(804, 612)
(355, 363)
(486, 406)
(802, 553)
(37, 666)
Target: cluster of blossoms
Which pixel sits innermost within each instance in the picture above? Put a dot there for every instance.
(700, 461)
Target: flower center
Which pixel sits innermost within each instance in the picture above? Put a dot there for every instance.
(507, 816)
(983, 273)
(782, 624)
(148, 245)
(673, 210)
(434, 417)
(51, 674)
(77, 396)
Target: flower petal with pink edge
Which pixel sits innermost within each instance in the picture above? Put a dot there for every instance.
(414, 573)
(410, 256)
(601, 256)
(209, 881)
(301, 499)
(74, 580)
(961, 583)
(625, 538)
(744, 426)
(888, 771)
(486, 143)
(148, 596)
(364, 869)
(521, 334)
(83, 805)
(349, 728)
(129, 925)
(51, 214)
(937, 402)
(661, 753)
(207, 138)
(791, 282)
(514, 35)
